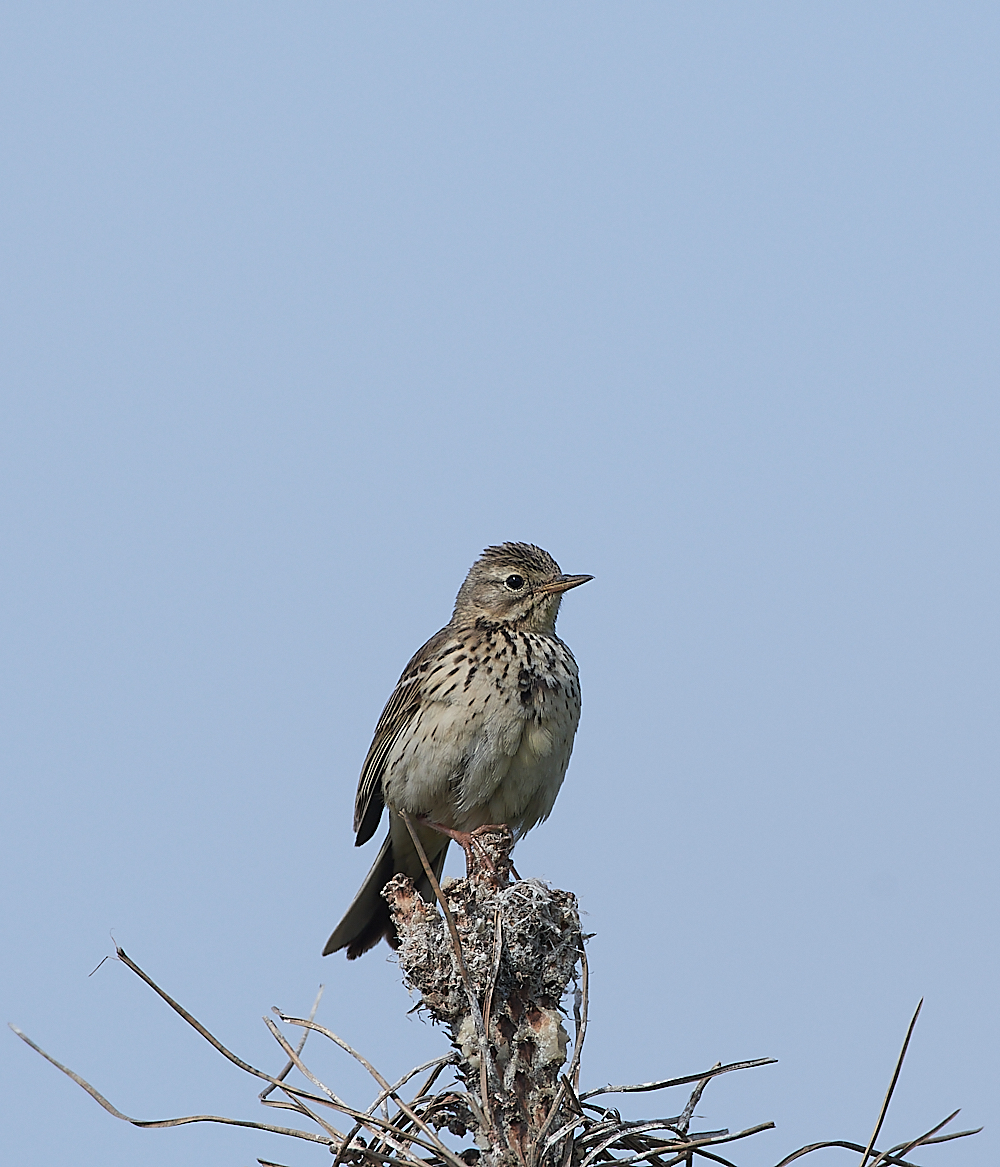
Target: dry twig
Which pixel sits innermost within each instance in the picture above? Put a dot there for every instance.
(892, 1084)
(494, 971)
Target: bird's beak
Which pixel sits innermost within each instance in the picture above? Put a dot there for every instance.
(562, 583)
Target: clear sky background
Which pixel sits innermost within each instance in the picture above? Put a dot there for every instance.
(303, 306)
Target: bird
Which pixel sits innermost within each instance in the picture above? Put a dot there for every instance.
(478, 731)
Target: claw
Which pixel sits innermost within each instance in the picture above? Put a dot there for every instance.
(470, 843)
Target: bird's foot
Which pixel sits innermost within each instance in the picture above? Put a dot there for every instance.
(477, 853)
(469, 843)
(505, 843)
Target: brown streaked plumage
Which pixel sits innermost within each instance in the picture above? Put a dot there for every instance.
(478, 730)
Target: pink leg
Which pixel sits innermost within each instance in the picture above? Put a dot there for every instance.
(467, 841)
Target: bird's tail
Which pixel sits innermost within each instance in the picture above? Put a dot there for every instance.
(367, 920)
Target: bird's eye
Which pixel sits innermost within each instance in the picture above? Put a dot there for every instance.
(514, 582)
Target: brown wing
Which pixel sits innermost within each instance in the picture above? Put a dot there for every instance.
(399, 711)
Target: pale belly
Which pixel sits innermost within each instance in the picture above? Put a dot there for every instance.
(527, 790)
(469, 763)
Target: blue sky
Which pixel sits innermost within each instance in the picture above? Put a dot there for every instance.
(303, 306)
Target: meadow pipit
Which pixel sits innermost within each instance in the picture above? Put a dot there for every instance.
(478, 731)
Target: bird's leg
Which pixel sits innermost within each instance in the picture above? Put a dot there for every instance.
(496, 851)
(471, 844)
(462, 838)
(494, 829)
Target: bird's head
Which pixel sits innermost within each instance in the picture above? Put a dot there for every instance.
(515, 584)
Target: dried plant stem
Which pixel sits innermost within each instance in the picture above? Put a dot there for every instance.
(696, 1093)
(644, 1087)
(290, 1065)
(486, 1069)
(438, 1064)
(892, 1085)
(906, 1148)
(495, 969)
(166, 1122)
(580, 1011)
(517, 947)
(435, 1142)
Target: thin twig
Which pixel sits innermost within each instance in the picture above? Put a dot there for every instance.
(298, 1092)
(474, 1105)
(293, 1057)
(167, 1122)
(378, 1157)
(651, 1152)
(568, 1153)
(580, 1117)
(890, 1156)
(686, 1146)
(696, 1093)
(306, 1023)
(634, 1128)
(924, 1142)
(438, 1064)
(561, 1133)
(573, 1097)
(715, 1158)
(487, 1070)
(301, 1046)
(580, 1031)
(580, 1017)
(295, 1094)
(495, 970)
(192, 1021)
(448, 1060)
(440, 1147)
(598, 1139)
(906, 1148)
(300, 1106)
(380, 1128)
(297, 1103)
(436, 887)
(639, 1128)
(849, 1146)
(642, 1087)
(536, 1150)
(892, 1085)
(378, 1125)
